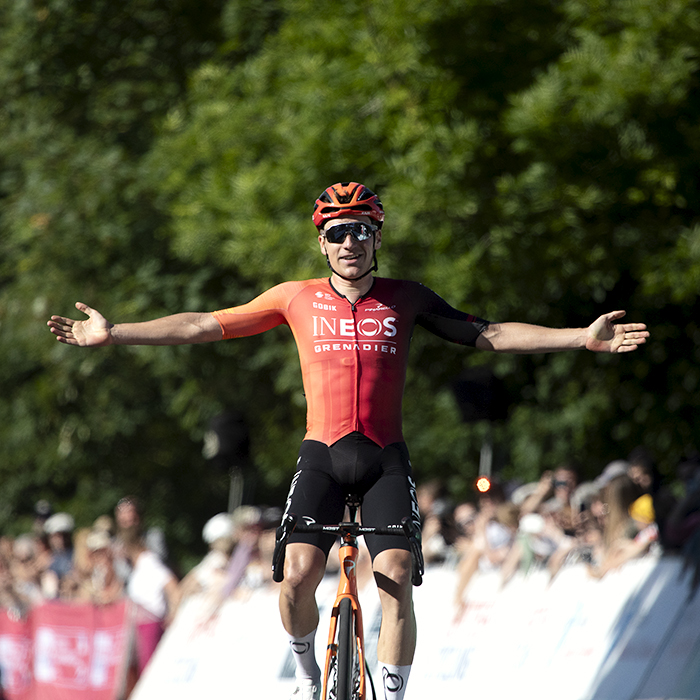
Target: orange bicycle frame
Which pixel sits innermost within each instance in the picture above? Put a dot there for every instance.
(347, 588)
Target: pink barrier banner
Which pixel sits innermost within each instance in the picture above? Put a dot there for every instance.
(64, 652)
(15, 656)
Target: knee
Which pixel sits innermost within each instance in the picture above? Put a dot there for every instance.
(392, 571)
(304, 568)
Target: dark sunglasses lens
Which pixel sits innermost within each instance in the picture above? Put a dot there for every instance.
(337, 234)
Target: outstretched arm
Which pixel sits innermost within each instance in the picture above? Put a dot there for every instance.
(601, 336)
(96, 331)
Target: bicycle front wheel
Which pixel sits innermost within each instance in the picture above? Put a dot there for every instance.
(348, 657)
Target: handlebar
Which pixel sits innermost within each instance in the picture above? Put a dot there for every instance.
(291, 524)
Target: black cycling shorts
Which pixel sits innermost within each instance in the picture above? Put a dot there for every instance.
(353, 465)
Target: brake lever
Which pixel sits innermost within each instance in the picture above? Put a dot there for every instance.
(282, 534)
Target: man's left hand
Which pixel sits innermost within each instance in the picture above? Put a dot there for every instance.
(604, 336)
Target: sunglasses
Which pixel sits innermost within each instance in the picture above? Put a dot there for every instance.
(562, 484)
(358, 230)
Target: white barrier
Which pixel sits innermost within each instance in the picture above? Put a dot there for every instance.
(635, 635)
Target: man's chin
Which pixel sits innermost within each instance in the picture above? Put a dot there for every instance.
(352, 272)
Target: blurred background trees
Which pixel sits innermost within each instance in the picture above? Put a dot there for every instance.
(537, 162)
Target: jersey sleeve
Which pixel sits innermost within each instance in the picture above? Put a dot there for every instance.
(257, 316)
(443, 320)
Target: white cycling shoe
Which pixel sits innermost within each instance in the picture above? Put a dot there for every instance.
(307, 690)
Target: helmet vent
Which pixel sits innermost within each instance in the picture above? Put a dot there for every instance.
(345, 197)
(358, 207)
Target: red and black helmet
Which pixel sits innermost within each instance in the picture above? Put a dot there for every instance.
(347, 198)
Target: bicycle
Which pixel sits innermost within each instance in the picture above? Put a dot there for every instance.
(346, 669)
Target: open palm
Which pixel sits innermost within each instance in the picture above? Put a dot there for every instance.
(90, 332)
(604, 336)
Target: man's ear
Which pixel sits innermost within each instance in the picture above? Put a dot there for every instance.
(322, 243)
(378, 240)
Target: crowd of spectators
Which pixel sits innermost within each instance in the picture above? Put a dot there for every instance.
(117, 558)
(624, 513)
(57, 561)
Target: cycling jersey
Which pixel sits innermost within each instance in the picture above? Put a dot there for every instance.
(353, 356)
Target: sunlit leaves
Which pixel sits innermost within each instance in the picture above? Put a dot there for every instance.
(537, 162)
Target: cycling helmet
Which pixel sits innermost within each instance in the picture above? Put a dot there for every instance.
(347, 198)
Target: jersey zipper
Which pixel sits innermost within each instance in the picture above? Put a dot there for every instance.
(357, 367)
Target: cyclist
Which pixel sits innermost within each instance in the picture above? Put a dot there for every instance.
(353, 332)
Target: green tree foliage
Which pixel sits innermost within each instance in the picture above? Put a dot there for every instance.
(535, 160)
(370, 94)
(82, 83)
(528, 172)
(610, 139)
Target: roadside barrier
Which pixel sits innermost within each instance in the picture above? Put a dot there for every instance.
(634, 635)
(65, 651)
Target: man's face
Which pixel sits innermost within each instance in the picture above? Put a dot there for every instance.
(640, 476)
(564, 484)
(351, 258)
(126, 515)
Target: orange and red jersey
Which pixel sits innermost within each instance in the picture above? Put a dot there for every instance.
(353, 356)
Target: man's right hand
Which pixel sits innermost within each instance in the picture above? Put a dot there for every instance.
(91, 332)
